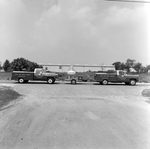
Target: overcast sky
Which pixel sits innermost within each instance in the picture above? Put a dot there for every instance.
(74, 31)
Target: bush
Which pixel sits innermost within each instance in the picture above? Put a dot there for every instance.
(20, 64)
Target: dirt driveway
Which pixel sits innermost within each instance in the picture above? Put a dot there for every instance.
(83, 116)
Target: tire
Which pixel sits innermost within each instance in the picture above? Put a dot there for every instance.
(104, 82)
(100, 83)
(132, 82)
(21, 80)
(126, 83)
(50, 80)
(73, 81)
(26, 81)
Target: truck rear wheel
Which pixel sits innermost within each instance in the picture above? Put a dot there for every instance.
(104, 82)
(50, 80)
(73, 81)
(21, 80)
(132, 82)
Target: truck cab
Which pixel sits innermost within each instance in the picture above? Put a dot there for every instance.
(118, 76)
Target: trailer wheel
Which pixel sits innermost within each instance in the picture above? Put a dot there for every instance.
(132, 82)
(21, 80)
(50, 80)
(73, 81)
(104, 82)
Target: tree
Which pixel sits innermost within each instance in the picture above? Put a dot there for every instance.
(119, 65)
(123, 66)
(20, 64)
(137, 66)
(129, 64)
(148, 67)
(6, 65)
(143, 69)
(32, 66)
(0, 66)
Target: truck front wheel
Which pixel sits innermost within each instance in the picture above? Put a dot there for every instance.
(50, 80)
(21, 80)
(73, 81)
(132, 82)
(105, 82)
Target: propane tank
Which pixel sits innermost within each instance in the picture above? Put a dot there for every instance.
(71, 71)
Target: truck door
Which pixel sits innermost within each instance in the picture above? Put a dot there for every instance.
(121, 76)
(38, 74)
(112, 77)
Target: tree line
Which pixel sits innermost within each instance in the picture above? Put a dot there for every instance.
(131, 64)
(20, 64)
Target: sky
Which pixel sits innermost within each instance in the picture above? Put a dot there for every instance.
(74, 31)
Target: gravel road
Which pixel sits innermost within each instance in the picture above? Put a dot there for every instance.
(82, 116)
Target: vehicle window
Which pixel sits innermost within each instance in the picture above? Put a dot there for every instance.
(121, 73)
(38, 72)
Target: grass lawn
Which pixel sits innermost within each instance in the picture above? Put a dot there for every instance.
(5, 75)
(7, 94)
(146, 92)
(145, 77)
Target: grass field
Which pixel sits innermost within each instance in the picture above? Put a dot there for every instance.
(143, 77)
(7, 94)
(5, 75)
(146, 92)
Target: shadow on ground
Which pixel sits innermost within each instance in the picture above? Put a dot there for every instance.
(7, 94)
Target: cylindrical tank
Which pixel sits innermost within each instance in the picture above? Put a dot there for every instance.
(71, 71)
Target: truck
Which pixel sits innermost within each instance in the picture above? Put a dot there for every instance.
(118, 76)
(39, 74)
